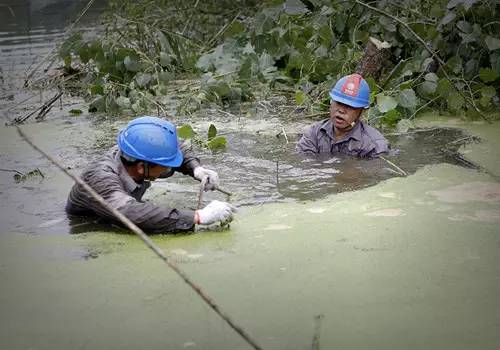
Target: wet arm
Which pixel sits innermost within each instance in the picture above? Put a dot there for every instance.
(190, 162)
(147, 216)
(307, 143)
(381, 147)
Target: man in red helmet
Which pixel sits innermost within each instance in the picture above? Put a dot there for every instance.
(344, 132)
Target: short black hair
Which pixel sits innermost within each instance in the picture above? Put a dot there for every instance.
(130, 162)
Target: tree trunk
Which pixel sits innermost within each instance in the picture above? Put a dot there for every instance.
(374, 58)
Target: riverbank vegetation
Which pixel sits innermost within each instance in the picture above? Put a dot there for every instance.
(444, 55)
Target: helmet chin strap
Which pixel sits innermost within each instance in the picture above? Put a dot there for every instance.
(146, 171)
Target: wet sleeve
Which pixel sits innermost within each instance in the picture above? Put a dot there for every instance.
(148, 216)
(308, 142)
(379, 148)
(190, 162)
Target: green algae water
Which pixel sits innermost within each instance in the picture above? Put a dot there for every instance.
(408, 263)
(389, 262)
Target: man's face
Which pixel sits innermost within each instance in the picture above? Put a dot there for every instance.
(343, 115)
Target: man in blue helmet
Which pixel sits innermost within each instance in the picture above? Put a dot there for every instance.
(344, 132)
(147, 149)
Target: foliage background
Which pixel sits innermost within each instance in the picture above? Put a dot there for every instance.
(225, 51)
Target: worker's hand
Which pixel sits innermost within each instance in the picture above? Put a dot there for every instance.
(213, 178)
(213, 212)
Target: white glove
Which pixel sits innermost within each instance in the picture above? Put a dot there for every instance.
(213, 212)
(213, 177)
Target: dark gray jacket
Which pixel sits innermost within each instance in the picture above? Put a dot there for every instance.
(361, 141)
(109, 178)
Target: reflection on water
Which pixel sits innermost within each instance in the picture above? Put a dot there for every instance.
(29, 33)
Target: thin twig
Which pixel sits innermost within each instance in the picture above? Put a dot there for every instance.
(423, 106)
(48, 106)
(42, 110)
(284, 134)
(401, 171)
(12, 171)
(151, 245)
(229, 194)
(220, 32)
(188, 22)
(317, 331)
(51, 53)
(202, 189)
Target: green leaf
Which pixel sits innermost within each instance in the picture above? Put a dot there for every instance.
(137, 106)
(212, 131)
(123, 102)
(455, 101)
(143, 79)
(404, 125)
(165, 46)
(466, 3)
(386, 103)
(373, 86)
(165, 59)
(294, 7)
(391, 117)
(428, 87)
(131, 64)
(75, 111)
(471, 68)
(488, 91)
(387, 23)
(165, 77)
(495, 61)
(455, 64)
(431, 77)
(67, 61)
(218, 89)
(407, 98)
(234, 29)
(300, 97)
(488, 75)
(185, 131)
(464, 26)
(450, 16)
(485, 101)
(492, 43)
(444, 87)
(98, 104)
(217, 142)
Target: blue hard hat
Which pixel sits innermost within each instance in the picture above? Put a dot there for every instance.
(151, 139)
(352, 90)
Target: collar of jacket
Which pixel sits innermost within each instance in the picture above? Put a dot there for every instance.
(354, 133)
(129, 183)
